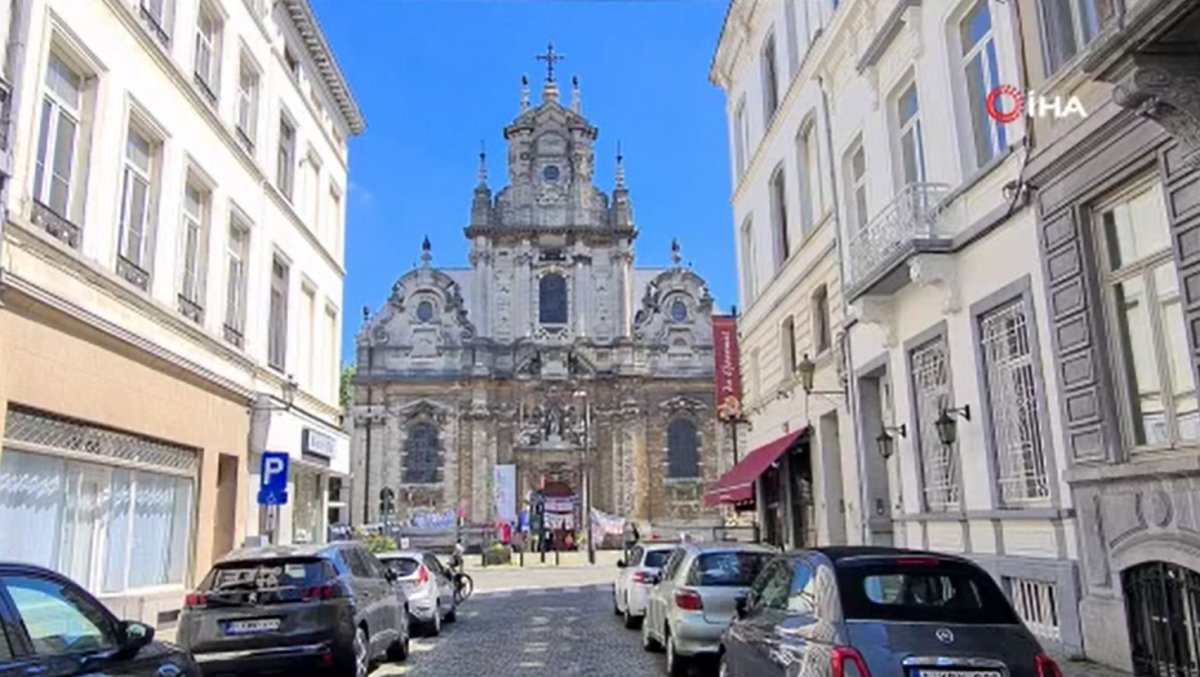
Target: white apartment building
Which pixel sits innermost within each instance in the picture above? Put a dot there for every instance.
(171, 277)
(947, 369)
(785, 218)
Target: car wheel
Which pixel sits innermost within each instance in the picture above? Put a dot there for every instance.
(452, 616)
(435, 626)
(648, 642)
(616, 607)
(398, 651)
(723, 669)
(362, 652)
(676, 664)
(631, 621)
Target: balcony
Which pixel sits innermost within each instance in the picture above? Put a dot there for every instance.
(191, 309)
(133, 273)
(906, 226)
(55, 224)
(233, 335)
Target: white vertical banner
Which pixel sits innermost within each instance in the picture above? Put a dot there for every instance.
(504, 492)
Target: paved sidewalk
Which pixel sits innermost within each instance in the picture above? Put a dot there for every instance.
(1079, 668)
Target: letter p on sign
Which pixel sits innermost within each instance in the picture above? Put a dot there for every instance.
(272, 488)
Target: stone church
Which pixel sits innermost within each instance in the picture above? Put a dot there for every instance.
(551, 352)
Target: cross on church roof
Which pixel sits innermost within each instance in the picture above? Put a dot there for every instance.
(550, 57)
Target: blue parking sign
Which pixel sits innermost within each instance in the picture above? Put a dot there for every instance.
(273, 474)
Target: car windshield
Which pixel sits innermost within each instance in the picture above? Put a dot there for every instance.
(933, 591)
(404, 566)
(656, 558)
(267, 575)
(727, 568)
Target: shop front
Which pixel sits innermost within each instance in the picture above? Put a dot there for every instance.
(775, 480)
(318, 468)
(99, 478)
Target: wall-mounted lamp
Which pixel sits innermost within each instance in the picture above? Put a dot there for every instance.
(808, 371)
(886, 443)
(947, 425)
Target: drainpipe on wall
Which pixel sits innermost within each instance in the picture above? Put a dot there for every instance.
(847, 353)
(18, 37)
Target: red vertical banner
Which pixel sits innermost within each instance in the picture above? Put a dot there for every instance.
(726, 372)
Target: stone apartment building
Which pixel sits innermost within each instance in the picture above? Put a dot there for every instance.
(171, 262)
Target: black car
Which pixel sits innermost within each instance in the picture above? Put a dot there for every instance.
(50, 626)
(296, 609)
(866, 611)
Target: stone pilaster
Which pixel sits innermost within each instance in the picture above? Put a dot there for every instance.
(1166, 88)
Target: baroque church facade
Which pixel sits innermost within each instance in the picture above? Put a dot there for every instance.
(551, 353)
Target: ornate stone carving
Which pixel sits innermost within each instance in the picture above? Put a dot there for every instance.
(877, 310)
(1158, 508)
(938, 271)
(1166, 88)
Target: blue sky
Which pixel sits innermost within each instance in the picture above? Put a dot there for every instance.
(436, 77)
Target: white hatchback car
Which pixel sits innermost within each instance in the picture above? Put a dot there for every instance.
(632, 587)
(428, 585)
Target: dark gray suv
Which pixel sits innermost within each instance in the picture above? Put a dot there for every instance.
(879, 612)
(296, 609)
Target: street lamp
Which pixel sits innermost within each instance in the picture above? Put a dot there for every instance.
(947, 426)
(887, 443)
(587, 472)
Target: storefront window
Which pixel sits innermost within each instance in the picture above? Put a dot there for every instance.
(107, 528)
(306, 513)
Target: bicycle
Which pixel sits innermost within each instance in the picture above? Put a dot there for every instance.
(464, 585)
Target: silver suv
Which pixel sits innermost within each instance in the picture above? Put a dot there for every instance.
(696, 598)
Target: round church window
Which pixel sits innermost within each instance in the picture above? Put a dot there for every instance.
(679, 311)
(425, 311)
(550, 173)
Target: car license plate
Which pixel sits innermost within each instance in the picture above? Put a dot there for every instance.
(956, 673)
(251, 627)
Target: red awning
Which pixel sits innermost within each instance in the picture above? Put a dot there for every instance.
(737, 484)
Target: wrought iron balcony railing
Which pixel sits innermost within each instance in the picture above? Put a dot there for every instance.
(135, 274)
(56, 224)
(191, 309)
(911, 217)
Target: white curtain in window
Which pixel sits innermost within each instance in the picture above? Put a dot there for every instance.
(31, 495)
(161, 506)
(117, 532)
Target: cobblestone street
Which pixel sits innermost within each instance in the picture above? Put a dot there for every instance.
(547, 631)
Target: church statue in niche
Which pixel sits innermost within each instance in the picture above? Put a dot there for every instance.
(551, 352)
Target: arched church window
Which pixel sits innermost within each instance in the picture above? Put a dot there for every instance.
(421, 454)
(552, 299)
(683, 450)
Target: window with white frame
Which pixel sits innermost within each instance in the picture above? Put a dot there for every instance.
(793, 30)
(981, 73)
(58, 180)
(1010, 372)
(770, 81)
(158, 16)
(292, 62)
(137, 193)
(247, 103)
(277, 329)
(749, 289)
(197, 204)
(1150, 346)
(741, 137)
(1068, 26)
(335, 219)
(856, 186)
(909, 136)
(779, 217)
(285, 171)
(930, 368)
(810, 176)
(307, 334)
(787, 345)
(208, 51)
(312, 193)
(331, 342)
(822, 340)
(236, 254)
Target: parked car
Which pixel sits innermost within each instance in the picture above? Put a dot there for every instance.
(296, 608)
(696, 599)
(428, 585)
(862, 611)
(631, 590)
(51, 626)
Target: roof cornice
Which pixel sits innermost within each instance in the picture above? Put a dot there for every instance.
(306, 24)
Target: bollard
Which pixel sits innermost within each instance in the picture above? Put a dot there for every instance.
(556, 560)
(522, 557)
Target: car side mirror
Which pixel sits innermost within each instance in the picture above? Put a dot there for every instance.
(134, 636)
(621, 564)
